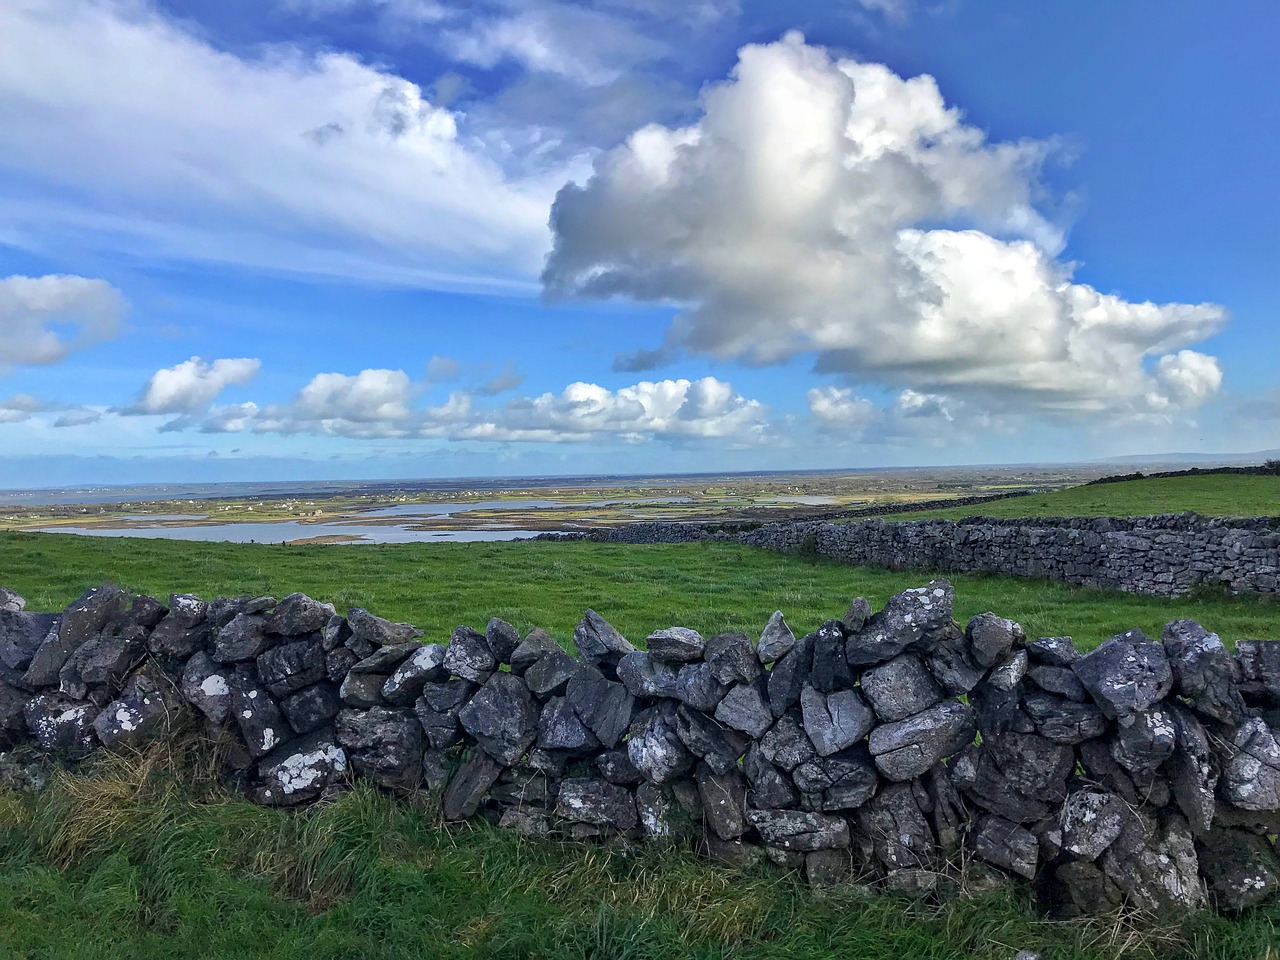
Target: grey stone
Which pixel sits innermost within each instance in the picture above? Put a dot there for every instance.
(846, 780)
(81, 621)
(786, 745)
(912, 621)
(207, 687)
(788, 677)
(502, 717)
(659, 819)
(909, 747)
(186, 629)
(597, 802)
(598, 641)
(1053, 651)
(951, 663)
(799, 831)
(335, 633)
(288, 667)
(718, 745)
(21, 635)
(724, 801)
(12, 703)
(11, 602)
(1058, 680)
(828, 666)
(469, 656)
(746, 708)
(366, 629)
(469, 785)
(1062, 720)
(1193, 776)
(1007, 845)
(732, 658)
(896, 828)
(550, 676)
(388, 659)
(698, 688)
(560, 729)
(1251, 769)
(312, 707)
(60, 724)
(1259, 663)
(244, 638)
(834, 721)
(383, 744)
(258, 717)
(298, 615)
(1091, 820)
(301, 771)
(616, 767)
(1008, 673)
(1155, 866)
(603, 705)
(676, 645)
(503, 639)
(1144, 743)
(103, 661)
(993, 638)
(141, 713)
(532, 648)
(856, 617)
(776, 641)
(900, 688)
(770, 788)
(526, 821)
(363, 690)
(423, 665)
(1242, 868)
(447, 694)
(1127, 674)
(436, 770)
(440, 727)
(338, 663)
(643, 676)
(1204, 672)
(656, 750)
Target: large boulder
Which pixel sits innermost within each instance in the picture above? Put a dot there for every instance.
(914, 620)
(900, 688)
(383, 744)
(502, 717)
(907, 748)
(1126, 675)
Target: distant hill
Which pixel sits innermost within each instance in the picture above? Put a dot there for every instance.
(1192, 459)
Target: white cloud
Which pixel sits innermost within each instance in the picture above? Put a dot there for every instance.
(285, 160)
(837, 408)
(830, 207)
(20, 407)
(42, 319)
(384, 404)
(191, 386)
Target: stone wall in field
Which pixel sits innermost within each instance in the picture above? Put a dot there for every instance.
(893, 747)
(1160, 556)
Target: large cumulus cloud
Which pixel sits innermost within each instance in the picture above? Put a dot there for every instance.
(829, 207)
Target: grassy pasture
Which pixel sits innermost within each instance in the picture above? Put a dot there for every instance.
(1211, 495)
(148, 857)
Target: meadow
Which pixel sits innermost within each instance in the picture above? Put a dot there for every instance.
(150, 856)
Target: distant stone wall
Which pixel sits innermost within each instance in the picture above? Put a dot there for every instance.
(1160, 556)
(894, 747)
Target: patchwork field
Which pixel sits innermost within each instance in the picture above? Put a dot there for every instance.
(149, 857)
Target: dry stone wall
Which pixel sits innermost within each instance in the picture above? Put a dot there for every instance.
(1159, 556)
(896, 746)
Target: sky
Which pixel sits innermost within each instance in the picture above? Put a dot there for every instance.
(341, 239)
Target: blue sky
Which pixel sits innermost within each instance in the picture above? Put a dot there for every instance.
(283, 239)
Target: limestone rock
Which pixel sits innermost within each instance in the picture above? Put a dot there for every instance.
(834, 721)
(502, 638)
(243, 639)
(312, 707)
(732, 659)
(599, 642)
(383, 744)
(60, 724)
(597, 802)
(676, 645)
(81, 621)
(656, 750)
(776, 641)
(1007, 845)
(909, 747)
(800, 831)
(1126, 675)
(900, 688)
(993, 638)
(1091, 820)
(258, 717)
(536, 644)
(1242, 868)
(422, 666)
(368, 630)
(724, 801)
(288, 667)
(502, 717)
(603, 705)
(912, 621)
(469, 656)
(207, 687)
(551, 674)
(1251, 770)
(300, 771)
(298, 615)
(746, 708)
(1204, 672)
(469, 785)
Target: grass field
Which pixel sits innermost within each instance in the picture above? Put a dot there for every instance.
(148, 857)
(1212, 495)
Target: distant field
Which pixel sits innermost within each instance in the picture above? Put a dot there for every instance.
(710, 587)
(1213, 495)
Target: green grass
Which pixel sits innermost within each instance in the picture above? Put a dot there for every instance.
(145, 858)
(1212, 495)
(150, 858)
(710, 587)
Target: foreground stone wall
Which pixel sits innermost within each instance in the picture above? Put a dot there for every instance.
(1159, 556)
(893, 747)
